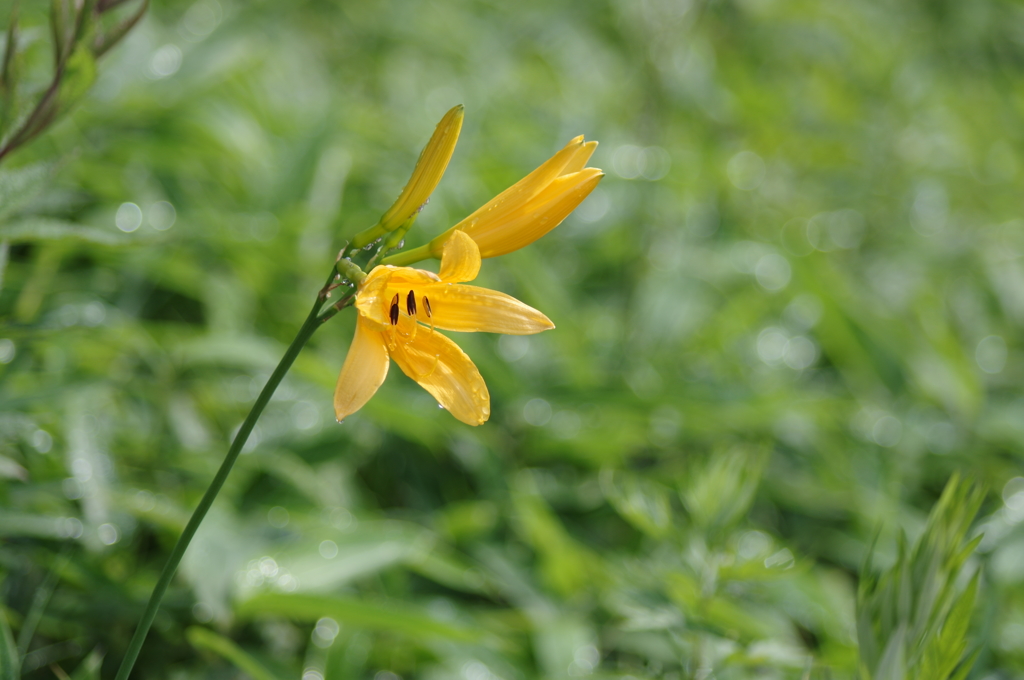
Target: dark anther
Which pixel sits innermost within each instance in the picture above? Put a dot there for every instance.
(426, 303)
(410, 303)
(394, 311)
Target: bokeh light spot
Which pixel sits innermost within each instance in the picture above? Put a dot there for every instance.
(537, 412)
(128, 217)
(991, 354)
(161, 215)
(746, 170)
(165, 62)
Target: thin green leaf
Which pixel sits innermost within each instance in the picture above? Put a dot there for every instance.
(397, 618)
(10, 664)
(45, 229)
(449, 571)
(947, 647)
(967, 665)
(89, 669)
(893, 662)
(203, 638)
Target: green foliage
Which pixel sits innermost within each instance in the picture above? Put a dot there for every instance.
(207, 640)
(788, 315)
(363, 615)
(720, 492)
(10, 660)
(912, 620)
(78, 36)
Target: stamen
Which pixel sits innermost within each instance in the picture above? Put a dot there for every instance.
(410, 303)
(394, 311)
(426, 303)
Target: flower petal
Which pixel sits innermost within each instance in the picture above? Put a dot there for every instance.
(537, 217)
(580, 158)
(365, 368)
(444, 370)
(536, 180)
(456, 307)
(460, 258)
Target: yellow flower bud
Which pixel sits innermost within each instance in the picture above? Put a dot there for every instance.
(428, 171)
(531, 207)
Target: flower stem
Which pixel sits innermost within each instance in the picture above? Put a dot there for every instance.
(408, 257)
(313, 321)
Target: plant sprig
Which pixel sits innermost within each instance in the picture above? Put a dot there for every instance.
(913, 619)
(80, 34)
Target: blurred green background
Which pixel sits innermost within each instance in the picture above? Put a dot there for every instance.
(788, 314)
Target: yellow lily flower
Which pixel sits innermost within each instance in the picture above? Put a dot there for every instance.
(399, 309)
(527, 210)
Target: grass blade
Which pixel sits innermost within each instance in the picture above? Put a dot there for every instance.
(203, 638)
(10, 665)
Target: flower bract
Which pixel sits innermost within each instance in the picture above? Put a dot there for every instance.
(399, 312)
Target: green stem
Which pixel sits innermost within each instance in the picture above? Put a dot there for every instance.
(367, 236)
(407, 257)
(313, 321)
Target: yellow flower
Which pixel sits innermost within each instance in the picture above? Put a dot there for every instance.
(527, 210)
(428, 171)
(398, 311)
